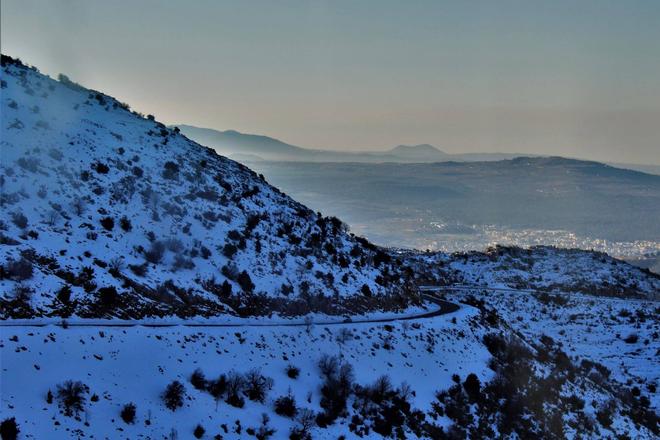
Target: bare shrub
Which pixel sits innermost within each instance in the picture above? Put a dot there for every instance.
(155, 253)
(19, 219)
(235, 384)
(18, 270)
(257, 385)
(71, 395)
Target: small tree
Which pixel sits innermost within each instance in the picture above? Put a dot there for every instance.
(472, 387)
(72, 397)
(64, 294)
(174, 394)
(245, 282)
(108, 297)
(257, 385)
(381, 389)
(235, 384)
(306, 420)
(217, 388)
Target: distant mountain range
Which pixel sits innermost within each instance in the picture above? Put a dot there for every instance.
(245, 147)
(433, 204)
(252, 147)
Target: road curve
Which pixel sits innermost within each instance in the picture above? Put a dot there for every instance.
(444, 307)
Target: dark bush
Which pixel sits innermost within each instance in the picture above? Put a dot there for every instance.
(229, 250)
(366, 291)
(71, 396)
(286, 406)
(19, 270)
(128, 413)
(108, 297)
(631, 338)
(174, 394)
(138, 269)
(9, 429)
(292, 371)
(100, 168)
(218, 387)
(198, 380)
(199, 431)
(64, 294)
(125, 224)
(22, 293)
(245, 282)
(171, 170)
(604, 414)
(19, 219)
(108, 223)
(155, 253)
(472, 387)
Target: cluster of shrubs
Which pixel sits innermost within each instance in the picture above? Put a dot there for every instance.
(233, 386)
(17, 270)
(520, 401)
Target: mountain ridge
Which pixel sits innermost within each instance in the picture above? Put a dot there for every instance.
(231, 142)
(183, 230)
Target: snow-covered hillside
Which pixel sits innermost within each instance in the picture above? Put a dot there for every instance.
(108, 213)
(461, 375)
(623, 335)
(536, 268)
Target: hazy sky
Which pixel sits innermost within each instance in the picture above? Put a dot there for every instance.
(577, 78)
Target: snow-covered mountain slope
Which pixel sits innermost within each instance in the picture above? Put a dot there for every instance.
(537, 268)
(462, 375)
(108, 213)
(622, 334)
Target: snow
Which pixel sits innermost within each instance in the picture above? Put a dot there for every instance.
(134, 364)
(63, 145)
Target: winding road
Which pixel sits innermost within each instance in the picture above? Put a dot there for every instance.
(443, 307)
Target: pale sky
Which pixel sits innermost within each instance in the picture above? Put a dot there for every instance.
(564, 77)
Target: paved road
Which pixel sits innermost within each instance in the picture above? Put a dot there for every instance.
(443, 307)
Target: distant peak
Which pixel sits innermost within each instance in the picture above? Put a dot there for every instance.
(417, 149)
